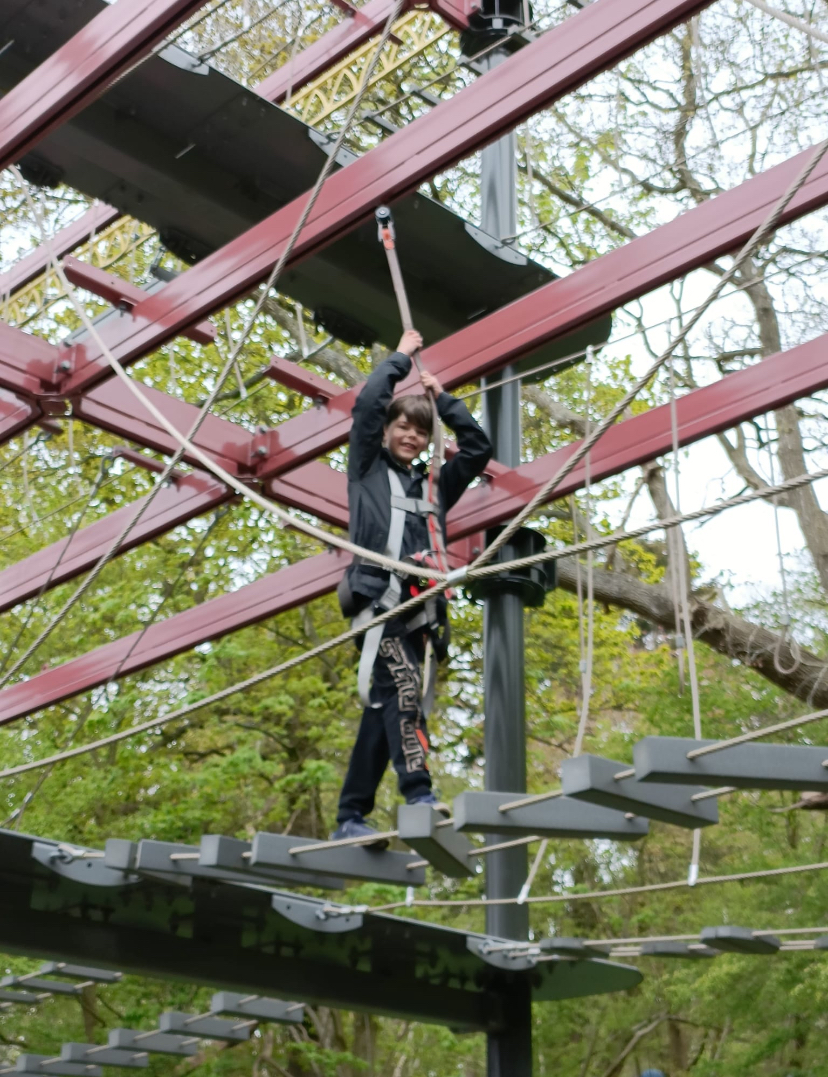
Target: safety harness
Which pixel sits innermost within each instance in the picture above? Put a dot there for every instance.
(425, 619)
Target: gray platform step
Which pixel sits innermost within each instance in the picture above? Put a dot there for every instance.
(103, 1056)
(205, 1026)
(163, 858)
(349, 861)
(745, 766)
(694, 951)
(419, 826)
(160, 1043)
(593, 778)
(739, 940)
(560, 817)
(263, 1009)
(33, 1064)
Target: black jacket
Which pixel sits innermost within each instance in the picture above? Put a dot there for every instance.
(369, 493)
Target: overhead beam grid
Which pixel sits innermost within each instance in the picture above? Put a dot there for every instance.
(38, 374)
(301, 943)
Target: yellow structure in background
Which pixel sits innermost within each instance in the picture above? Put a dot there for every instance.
(103, 250)
(314, 103)
(338, 86)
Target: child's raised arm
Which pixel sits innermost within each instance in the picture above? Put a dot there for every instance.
(372, 404)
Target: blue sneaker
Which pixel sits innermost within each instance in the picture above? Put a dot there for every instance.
(358, 828)
(430, 798)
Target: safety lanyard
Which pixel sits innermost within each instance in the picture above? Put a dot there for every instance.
(387, 236)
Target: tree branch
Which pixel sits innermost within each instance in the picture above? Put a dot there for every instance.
(723, 631)
(615, 1066)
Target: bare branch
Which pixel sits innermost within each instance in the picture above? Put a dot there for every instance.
(723, 631)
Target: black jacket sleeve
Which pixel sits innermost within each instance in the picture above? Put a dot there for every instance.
(474, 450)
(369, 413)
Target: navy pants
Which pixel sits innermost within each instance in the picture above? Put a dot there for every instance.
(395, 730)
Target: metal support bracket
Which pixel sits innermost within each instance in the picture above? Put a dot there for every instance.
(316, 915)
(442, 846)
(496, 247)
(557, 818)
(745, 766)
(594, 779)
(326, 144)
(92, 871)
(180, 58)
(489, 950)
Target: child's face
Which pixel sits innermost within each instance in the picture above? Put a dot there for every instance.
(404, 440)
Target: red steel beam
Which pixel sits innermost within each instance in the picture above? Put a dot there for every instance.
(360, 26)
(83, 68)
(770, 384)
(15, 415)
(67, 239)
(27, 363)
(295, 377)
(123, 294)
(189, 496)
(455, 12)
(281, 591)
(554, 65)
(327, 50)
(767, 385)
(688, 242)
(111, 406)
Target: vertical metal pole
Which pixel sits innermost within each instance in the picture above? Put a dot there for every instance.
(510, 1051)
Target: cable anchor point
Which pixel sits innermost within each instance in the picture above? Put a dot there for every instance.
(385, 227)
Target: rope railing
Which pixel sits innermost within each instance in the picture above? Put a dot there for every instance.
(598, 895)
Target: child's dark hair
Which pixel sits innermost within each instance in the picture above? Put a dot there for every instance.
(417, 409)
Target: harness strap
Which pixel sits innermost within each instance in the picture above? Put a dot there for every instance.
(387, 236)
(390, 596)
(418, 505)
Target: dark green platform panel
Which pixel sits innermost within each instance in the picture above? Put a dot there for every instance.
(232, 937)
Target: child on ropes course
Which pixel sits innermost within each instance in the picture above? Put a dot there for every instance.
(389, 510)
